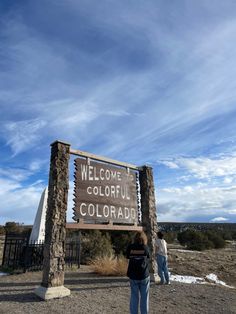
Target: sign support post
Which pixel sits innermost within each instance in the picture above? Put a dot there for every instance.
(149, 217)
(52, 285)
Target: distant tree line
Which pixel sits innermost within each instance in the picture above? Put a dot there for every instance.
(182, 226)
(14, 227)
(199, 236)
(197, 240)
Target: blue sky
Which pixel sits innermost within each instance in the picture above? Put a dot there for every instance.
(145, 82)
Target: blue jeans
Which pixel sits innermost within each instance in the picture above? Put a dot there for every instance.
(139, 287)
(163, 268)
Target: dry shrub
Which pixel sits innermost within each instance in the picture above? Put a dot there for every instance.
(110, 266)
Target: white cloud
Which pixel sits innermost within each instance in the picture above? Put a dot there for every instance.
(19, 203)
(170, 164)
(36, 165)
(18, 200)
(232, 211)
(183, 204)
(228, 180)
(22, 135)
(6, 186)
(219, 219)
(205, 168)
(15, 174)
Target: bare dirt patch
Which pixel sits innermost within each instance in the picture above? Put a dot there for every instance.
(221, 262)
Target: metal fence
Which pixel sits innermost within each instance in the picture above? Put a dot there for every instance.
(19, 253)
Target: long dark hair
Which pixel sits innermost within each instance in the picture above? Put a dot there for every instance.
(140, 238)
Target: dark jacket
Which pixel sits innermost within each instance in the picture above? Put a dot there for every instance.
(138, 256)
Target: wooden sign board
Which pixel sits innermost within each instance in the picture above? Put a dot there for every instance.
(104, 193)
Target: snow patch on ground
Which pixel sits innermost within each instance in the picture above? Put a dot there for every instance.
(211, 278)
(187, 279)
(184, 251)
(3, 274)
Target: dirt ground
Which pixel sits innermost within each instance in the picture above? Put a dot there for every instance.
(221, 262)
(95, 294)
(91, 293)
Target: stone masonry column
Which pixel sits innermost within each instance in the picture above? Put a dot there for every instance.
(149, 217)
(52, 285)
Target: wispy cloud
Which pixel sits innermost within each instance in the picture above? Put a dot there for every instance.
(23, 135)
(15, 174)
(205, 167)
(140, 83)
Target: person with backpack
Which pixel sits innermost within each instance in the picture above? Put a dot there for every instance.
(161, 250)
(138, 273)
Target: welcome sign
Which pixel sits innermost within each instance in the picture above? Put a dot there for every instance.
(104, 193)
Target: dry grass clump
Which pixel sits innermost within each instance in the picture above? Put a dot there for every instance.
(110, 265)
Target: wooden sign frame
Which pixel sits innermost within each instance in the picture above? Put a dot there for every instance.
(52, 285)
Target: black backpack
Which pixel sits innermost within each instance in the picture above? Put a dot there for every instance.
(137, 266)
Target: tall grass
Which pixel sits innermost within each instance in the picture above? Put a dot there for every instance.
(110, 265)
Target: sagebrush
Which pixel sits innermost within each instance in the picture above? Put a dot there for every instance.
(110, 265)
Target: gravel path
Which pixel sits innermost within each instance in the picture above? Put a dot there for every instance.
(100, 295)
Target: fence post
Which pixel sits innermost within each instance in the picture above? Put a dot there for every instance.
(26, 257)
(4, 250)
(79, 249)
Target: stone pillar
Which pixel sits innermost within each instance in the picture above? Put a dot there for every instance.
(149, 217)
(52, 285)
